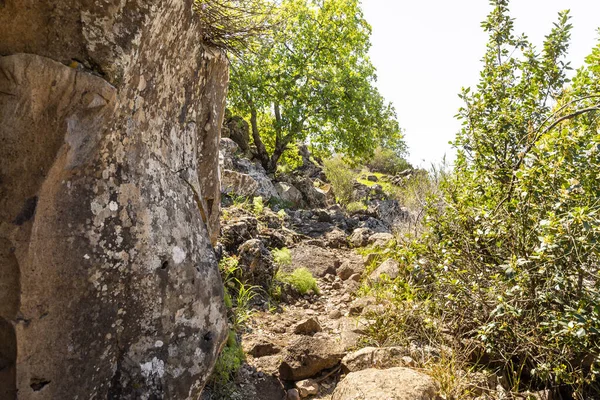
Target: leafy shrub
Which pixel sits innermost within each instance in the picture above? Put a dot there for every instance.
(510, 262)
(342, 178)
(387, 161)
(282, 256)
(301, 279)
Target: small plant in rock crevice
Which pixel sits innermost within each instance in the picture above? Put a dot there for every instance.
(301, 279)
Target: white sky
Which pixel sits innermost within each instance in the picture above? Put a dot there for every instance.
(426, 50)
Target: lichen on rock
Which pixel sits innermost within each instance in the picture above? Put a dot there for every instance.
(109, 201)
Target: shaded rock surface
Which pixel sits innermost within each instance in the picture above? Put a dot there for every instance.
(109, 200)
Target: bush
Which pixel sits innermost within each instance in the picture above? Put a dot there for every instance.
(342, 179)
(510, 262)
(387, 161)
(301, 279)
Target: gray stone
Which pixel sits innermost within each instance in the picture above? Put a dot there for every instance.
(289, 193)
(389, 267)
(307, 387)
(308, 326)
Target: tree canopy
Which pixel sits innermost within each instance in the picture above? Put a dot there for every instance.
(311, 80)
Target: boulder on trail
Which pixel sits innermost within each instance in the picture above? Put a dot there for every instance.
(307, 356)
(389, 267)
(317, 260)
(388, 384)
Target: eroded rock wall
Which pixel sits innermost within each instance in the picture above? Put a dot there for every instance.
(109, 115)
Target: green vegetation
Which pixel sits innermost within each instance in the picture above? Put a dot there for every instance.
(282, 256)
(388, 161)
(229, 362)
(355, 206)
(258, 205)
(342, 179)
(508, 263)
(311, 78)
(301, 279)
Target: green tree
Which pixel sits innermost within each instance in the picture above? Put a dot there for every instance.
(311, 79)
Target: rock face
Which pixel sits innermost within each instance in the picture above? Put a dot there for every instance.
(389, 384)
(109, 286)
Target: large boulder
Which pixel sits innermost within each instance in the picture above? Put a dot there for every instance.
(318, 260)
(389, 384)
(265, 188)
(111, 114)
(237, 183)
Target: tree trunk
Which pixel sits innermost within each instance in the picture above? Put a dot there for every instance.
(263, 156)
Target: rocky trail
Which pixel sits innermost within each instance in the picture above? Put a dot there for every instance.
(312, 345)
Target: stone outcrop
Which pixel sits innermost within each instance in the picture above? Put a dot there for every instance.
(111, 114)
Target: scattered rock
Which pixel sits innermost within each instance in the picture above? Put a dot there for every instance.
(307, 387)
(309, 326)
(335, 314)
(372, 178)
(389, 384)
(389, 267)
(360, 237)
(357, 306)
(307, 356)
